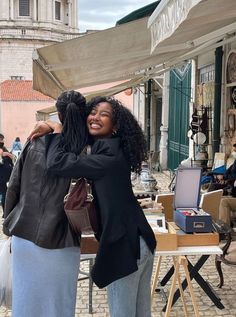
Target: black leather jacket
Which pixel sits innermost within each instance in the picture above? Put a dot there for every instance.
(34, 202)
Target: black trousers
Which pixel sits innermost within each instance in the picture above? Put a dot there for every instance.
(3, 190)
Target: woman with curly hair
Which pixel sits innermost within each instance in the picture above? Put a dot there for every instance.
(124, 260)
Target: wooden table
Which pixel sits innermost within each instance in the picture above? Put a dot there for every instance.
(179, 257)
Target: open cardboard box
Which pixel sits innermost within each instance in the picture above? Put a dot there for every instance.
(186, 201)
(194, 239)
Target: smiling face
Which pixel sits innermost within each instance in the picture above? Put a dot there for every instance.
(99, 121)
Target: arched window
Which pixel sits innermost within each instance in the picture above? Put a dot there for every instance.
(24, 8)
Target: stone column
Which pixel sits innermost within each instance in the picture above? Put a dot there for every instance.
(35, 17)
(165, 119)
(74, 14)
(70, 14)
(11, 5)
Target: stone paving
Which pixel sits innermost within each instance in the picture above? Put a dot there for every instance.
(206, 307)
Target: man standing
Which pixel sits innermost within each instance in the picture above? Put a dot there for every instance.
(6, 166)
(228, 203)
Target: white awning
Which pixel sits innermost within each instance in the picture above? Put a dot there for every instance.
(193, 25)
(99, 91)
(180, 30)
(118, 53)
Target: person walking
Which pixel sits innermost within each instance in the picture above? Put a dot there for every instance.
(6, 166)
(45, 250)
(16, 147)
(124, 259)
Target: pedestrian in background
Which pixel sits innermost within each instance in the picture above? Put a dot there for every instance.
(6, 166)
(45, 250)
(16, 147)
(124, 260)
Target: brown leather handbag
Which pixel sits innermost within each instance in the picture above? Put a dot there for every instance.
(80, 209)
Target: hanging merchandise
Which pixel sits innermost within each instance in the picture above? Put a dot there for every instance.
(204, 123)
(194, 123)
(233, 97)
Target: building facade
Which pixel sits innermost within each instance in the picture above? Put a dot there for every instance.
(26, 25)
(29, 24)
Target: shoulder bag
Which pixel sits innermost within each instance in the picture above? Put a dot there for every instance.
(80, 209)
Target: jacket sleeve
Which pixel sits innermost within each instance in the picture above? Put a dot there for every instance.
(13, 189)
(66, 164)
(230, 173)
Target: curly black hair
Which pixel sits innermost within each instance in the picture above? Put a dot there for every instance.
(132, 138)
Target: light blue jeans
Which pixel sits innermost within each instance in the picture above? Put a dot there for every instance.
(130, 296)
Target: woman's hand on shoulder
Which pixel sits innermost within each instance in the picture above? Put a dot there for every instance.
(43, 128)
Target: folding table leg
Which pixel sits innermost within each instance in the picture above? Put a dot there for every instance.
(172, 290)
(184, 262)
(154, 283)
(181, 291)
(176, 277)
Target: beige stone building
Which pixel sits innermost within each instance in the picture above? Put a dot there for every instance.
(24, 26)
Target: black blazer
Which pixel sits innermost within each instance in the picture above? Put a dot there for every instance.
(122, 219)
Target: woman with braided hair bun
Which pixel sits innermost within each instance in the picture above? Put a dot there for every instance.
(45, 250)
(124, 260)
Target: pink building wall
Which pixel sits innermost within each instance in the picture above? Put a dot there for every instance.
(125, 97)
(18, 118)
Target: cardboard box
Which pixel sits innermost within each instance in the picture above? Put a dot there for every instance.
(187, 196)
(201, 222)
(194, 239)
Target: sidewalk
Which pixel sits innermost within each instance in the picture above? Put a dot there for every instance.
(206, 308)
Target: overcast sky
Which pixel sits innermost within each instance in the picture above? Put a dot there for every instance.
(103, 14)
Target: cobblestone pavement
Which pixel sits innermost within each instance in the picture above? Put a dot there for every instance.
(206, 307)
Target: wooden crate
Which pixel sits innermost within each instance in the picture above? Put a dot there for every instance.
(194, 239)
(166, 241)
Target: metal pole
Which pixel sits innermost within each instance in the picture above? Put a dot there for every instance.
(217, 100)
(149, 93)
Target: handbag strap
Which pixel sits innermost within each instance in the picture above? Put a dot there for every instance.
(88, 188)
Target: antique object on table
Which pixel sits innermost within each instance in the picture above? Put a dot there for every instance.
(147, 181)
(186, 201)
(149, 184)
(150, 206)
(145, 172)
